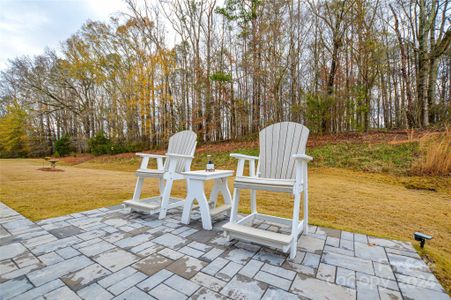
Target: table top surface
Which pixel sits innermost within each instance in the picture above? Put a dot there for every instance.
(206, 175)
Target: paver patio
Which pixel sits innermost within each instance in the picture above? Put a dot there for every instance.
(109, 253)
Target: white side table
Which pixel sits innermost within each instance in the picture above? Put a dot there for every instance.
(196, 191)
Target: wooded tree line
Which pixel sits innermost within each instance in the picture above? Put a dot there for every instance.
(228, 69)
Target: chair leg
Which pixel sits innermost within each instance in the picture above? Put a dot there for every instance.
(165, 199)
(162, 185)
(253, 201)
(138, 189)
(295, 225)
(293, 249)
(235, 204)
(306, 211)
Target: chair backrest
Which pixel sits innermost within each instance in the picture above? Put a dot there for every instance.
(183, 142)
(278, 142)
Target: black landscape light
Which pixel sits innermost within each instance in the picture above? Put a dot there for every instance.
(421, 237)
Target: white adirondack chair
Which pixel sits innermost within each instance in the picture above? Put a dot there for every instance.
(169, 168)
(282, 167)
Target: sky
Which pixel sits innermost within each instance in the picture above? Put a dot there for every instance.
(27, 27)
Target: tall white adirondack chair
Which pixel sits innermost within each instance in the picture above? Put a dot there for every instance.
(282, 167)
(169, 168)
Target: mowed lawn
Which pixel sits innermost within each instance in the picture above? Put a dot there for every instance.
(339, 198)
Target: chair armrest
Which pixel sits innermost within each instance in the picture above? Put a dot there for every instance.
(301, 176)
(241, 160)
(175, 155)
(145, 160)
(243, 156)
(150, 155)
(303, 157)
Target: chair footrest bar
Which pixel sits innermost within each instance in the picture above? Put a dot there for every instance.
(257, 235)
(220, 209)
(151, 205)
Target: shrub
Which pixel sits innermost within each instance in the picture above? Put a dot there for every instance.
(435, 155)
(100, 144)
(63, 146)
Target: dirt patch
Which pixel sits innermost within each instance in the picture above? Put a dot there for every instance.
(226, 146)
(373, 137)
(50, 170)
(413, 186)
(75, 160)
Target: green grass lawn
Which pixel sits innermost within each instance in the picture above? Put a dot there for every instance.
(360, 188)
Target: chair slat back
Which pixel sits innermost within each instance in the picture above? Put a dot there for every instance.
(278, 142)
(183, 142)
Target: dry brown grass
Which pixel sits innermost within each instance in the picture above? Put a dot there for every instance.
(374, 204)
(435, 157)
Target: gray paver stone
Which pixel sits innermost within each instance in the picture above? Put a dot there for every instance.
(126, 283)
(239, 255)
(281, 272)
(386, 294)
(11, 250)
(370, 252)
(208, 281)
(154, 280)
(352, 263)
(162, 291)
(326, 272)
(67, 231)
(133, 294)
(169, 240)
(273, 280)
(242, 287)
(14, 287)
(310, 244)
(171, 254)
(67, 252)
(317, 289)
(115, 259)
(275, 293)
(57, 270)
(182, 285)
(206, 294)
(212, 254)
(41, 290)
(383, 270)
(251, 268)
(85, 276)
(311, 260)
(62, 293)
(116, 277)
(191, 252)
(94, 292)
(229, 271)
(270, 256)
(7, 266)
(345, 277)
(50, 258)
(366, 291)
(216, 265)
(412, 292)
